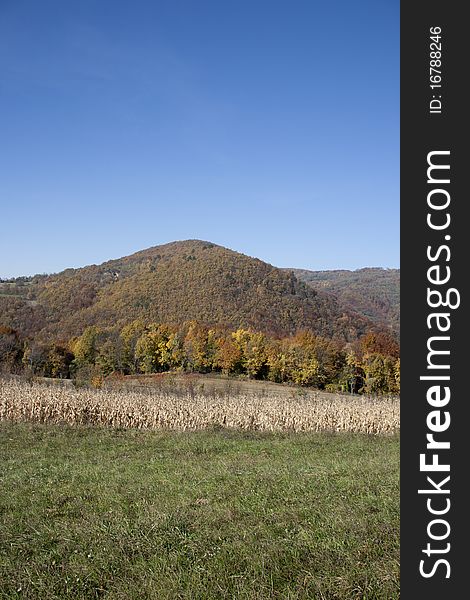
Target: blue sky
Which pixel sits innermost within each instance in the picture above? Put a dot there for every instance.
(270, 127)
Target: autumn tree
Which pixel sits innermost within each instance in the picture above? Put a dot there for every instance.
(200, 348)
(58, 362)
(252, 347)
(305, 368)
(303, 359)
(379, 374)
(35, 357)
(175, 350)
(110, 355)
(352, 376)
(380, 343)
(85, 348)
(279, 361)
(129, 336)
(228, 355)
(147, 352)
(11, 349)
(158, 349)
(397, 374)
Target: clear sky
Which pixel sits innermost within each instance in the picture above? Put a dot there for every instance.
(267, 126)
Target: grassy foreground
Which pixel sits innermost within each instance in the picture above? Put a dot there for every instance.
(124, 514)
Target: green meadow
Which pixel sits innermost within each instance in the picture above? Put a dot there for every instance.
(90, 513)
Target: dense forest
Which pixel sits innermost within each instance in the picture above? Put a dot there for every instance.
(372, 292)
(174, 283)
(371, 364)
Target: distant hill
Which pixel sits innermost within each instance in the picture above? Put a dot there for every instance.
(373, 293)
(174, 283)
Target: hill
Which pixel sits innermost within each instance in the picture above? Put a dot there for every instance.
(374, 293)
(174, 283)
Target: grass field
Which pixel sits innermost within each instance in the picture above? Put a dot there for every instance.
(89, 512)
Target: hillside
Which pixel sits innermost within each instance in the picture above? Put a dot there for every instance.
(373, 293)
(174, 283)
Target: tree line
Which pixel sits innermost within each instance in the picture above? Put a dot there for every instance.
(369, 365)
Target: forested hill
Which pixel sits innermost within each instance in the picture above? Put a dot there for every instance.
(175, 283)
(374, 293)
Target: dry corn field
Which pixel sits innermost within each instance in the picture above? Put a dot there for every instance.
(23, 401)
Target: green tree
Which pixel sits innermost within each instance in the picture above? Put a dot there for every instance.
(175, 350)
(129, 336)
(380, 374)
(109, 356)
(147, 352)
(200, 348)
(85, 348)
